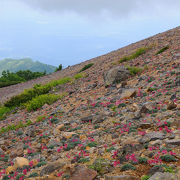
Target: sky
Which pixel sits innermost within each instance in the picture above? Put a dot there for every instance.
(68, 32)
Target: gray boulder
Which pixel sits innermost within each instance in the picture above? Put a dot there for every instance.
(116, 75)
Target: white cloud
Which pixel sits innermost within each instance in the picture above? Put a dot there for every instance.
(107, 8)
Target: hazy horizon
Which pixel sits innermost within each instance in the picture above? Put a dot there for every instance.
(69, 32)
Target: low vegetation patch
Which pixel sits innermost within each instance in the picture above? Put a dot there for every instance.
(145, 177)
(127, 167)
(37, 90)
(134, 70)
(162, 50)
(39, 101)
(4, 111)
(15, 127)
(79, 75)
(40, 118)
(59, 82)
(168, 158)
(27, 95)
(142, 160)
(86, 67)
(138, 53)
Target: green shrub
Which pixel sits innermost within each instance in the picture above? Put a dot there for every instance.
(92, 144)
(20, 176)
(42, 163)
(138, 53)
(162, 50)
(83, 160)
(59, 82)
(78, 76)
(27, 95)
(134, 70)
(39, 101)
(127, 167)
(101, 165)
(110, 149)
(145, 177)
(142, 160)
(86, 67)
(15, 127)
(3, 111)
(37, 90)
(8, 83)
(34, 174)
(40, 118)
(169, 169)
(59, 68)
(168, 158)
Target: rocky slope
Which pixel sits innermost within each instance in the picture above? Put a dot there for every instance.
(126, 130)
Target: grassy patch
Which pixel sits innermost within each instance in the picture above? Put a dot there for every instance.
(168, 158)
(3, 111)
(162, 50)
(54, 83)
(134, 70)
(86, 67)
(37, 90)
(40, 118)
(145, 177)
(138, 53)
(39, 101)
(15, 127)
(79, 75)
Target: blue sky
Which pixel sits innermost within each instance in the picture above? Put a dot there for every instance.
(71, 31)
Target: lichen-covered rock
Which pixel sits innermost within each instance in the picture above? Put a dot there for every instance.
(116, 75)
(51, 168)
(164, 176)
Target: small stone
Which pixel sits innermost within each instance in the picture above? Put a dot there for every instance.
(171, 106)
(177, 55)
(68, 135)
(2, 142)
(60, 127)
(20, 162)
(152, 137)
(1, 151)
(155, 169)
(83, 173)
(87, 119)
(173, 142)
(122, 177)
(144, 125)
(156, 143)
(144, 109)
(51, 168)
(128, 93)
(164, 176)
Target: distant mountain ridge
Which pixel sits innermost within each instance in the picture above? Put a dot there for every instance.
(14, 65)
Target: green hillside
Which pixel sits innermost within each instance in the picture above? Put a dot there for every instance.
(14, 65)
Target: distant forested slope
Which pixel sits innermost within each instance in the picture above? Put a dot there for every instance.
(14, 65)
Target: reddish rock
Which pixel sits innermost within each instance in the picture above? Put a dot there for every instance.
(82, 173)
